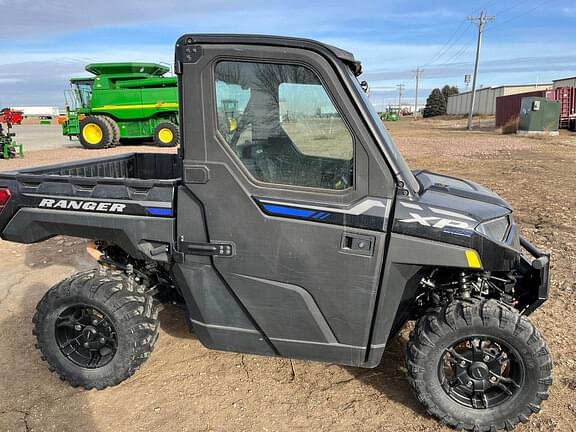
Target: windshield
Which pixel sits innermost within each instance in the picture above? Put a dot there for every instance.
(82, 93)
(386, 139)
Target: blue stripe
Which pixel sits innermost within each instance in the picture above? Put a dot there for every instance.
(158, 211)
(288, 211)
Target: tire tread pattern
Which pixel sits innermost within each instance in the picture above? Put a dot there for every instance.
(466, 313)
(134, 310)
(175, 131)
(114, 129)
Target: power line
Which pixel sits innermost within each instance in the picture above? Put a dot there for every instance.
(524, 13)
(488, 3)
(451, 42)
(481, 21)
(508, 9)
(461, 53)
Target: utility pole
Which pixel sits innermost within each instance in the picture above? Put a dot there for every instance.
(481, 21)
(401, 88)
(418, 75)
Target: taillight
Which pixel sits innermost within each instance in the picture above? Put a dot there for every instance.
(5, 196)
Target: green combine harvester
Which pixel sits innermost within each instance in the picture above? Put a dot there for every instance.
(122, 101)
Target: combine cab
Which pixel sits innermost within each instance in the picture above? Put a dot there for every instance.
(122, 101)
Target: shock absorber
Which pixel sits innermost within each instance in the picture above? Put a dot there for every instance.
(465, 285)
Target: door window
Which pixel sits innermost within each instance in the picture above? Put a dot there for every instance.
(281, 123)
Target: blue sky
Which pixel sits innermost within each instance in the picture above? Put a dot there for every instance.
(46, 42)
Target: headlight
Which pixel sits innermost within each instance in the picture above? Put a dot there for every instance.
(495, 229)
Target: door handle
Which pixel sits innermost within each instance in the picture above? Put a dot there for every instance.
(357, 244)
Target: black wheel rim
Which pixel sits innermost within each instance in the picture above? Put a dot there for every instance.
(481, 372)
(86, 336)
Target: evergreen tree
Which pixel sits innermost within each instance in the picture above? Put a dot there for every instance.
(435, 104)
(448, 91)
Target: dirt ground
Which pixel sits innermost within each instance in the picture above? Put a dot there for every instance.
(185, 387)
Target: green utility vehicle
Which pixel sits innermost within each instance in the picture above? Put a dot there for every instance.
(123, 101)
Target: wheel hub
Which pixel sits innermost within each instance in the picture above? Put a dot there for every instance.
(165, 135)
(92, 133)
(86, 336)
(480, 373)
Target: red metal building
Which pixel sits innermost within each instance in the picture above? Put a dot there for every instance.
(508, 109)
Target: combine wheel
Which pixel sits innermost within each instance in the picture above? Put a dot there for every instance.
(166, 134)
(95, 133)
(114, 128)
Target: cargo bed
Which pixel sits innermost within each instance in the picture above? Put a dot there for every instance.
(142, 166)
(128, 199)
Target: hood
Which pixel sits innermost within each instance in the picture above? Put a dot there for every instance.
(449, 210)
(451, 202)
(431, 182)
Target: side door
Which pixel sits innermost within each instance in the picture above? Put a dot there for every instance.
(294, 192)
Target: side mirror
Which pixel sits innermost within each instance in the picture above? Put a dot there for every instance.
(365, 87)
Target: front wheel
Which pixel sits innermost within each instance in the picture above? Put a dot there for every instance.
(478, 365)
(95, 329)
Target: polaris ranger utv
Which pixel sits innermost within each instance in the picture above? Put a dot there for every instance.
(296, 230)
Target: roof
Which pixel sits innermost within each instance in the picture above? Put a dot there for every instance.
(536, 87)
(127, 68)
(564, 79)
(284, 41)
(81, 79)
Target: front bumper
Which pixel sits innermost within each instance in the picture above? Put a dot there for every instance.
(535, 278)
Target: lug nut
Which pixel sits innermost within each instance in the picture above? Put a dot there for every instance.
(463, 363)
(493, 379)
(94, 322)
(102, 340)
(469, 383)
(77, 327)
(486, 358)
(86, 345)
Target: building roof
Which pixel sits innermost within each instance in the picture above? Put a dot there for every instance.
(564, 79)
(508, 86)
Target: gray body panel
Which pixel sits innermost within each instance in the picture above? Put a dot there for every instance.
(406, 259)
(137, 235)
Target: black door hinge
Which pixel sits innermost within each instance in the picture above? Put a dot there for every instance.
(223, 249)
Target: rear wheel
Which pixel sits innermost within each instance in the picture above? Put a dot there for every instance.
(95, 133)
(95, 329)
(479, 365)
(166, 134)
